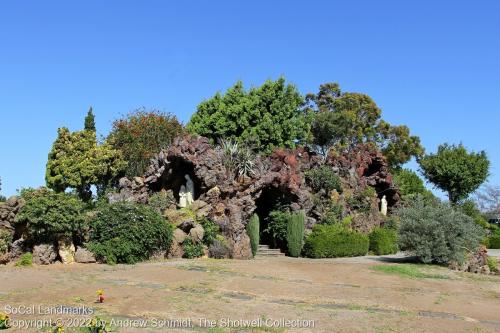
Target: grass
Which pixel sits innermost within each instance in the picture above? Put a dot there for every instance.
(412, 271)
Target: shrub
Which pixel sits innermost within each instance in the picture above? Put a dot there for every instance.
(219, 249)
(492, 264)
(5, 241)
(128, 233)
(494, 241)
(324, 178)
(276, 227)
(437, 233)
(141, 135)
(25, 260)
(191, 249)
(362, 201)
(383, 241)
(161, 201)
(48, 214)
(333, 214)
(211, 230)
(469, 208)
(295, 234)
(330, 241)
(253, 231)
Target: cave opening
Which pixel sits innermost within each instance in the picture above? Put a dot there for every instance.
(272, 198)
(174, 177)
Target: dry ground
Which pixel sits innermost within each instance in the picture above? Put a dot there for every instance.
(347, 295)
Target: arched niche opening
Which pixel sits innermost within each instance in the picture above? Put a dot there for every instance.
(272, 198)
(174, 177)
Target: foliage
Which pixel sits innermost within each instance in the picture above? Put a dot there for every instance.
(98, 325)
(77, 161)
(362, 201)
(192, 249)
(412, 271)
(5, 241)
(323, 178)
(4, 321)
(410, 185)
(160, 201)
(343, 120)
(211, 231)
(492, 264)
(469, 208)
(124, 232)
(90, 121)
(253, 231)
(219, 249)
(48, 214)
(437, 233)
(456, 171)
(238, 159)
(333, 214)
(277, 227)
(268, 116)
(330, 241)
(141, 135)
(383, 241)
(295, 234)
(25, 260)
(494, 241)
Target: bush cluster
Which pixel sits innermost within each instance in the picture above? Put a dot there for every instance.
(192, 249)
(330, 241)
(324, 178)
(48, 214)
(277, 222)
(494, 241)
(437, 233)
(383, 241)
(128, 233)
(5, 240)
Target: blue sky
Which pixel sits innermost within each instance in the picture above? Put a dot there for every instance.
(432, 65)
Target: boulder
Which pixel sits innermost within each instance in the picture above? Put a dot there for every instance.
(66, 250)
(179, 236)
(196, 233)
(44, 254)
(17, 248)
(84, 256)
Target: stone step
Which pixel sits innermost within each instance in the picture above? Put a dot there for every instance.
(265, 251)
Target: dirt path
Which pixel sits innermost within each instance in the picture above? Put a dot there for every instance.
(334, 295)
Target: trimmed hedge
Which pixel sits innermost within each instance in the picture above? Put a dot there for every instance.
(253, 231)
(295, 234)
(383, 241)
(330, 241)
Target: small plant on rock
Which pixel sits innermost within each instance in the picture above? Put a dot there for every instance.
(25, 260)
(191, 249)
(324, 178)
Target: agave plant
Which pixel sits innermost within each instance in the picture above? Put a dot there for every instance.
(237, 159)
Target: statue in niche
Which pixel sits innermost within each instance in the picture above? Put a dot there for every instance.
(183, 197)
(383, 206)
(189, 190)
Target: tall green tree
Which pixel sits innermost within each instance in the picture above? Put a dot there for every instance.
(90, 121)
(77, 161)
(141, 135)
(455, 170)
(343, 120)
(265, 117)
(410, 185)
